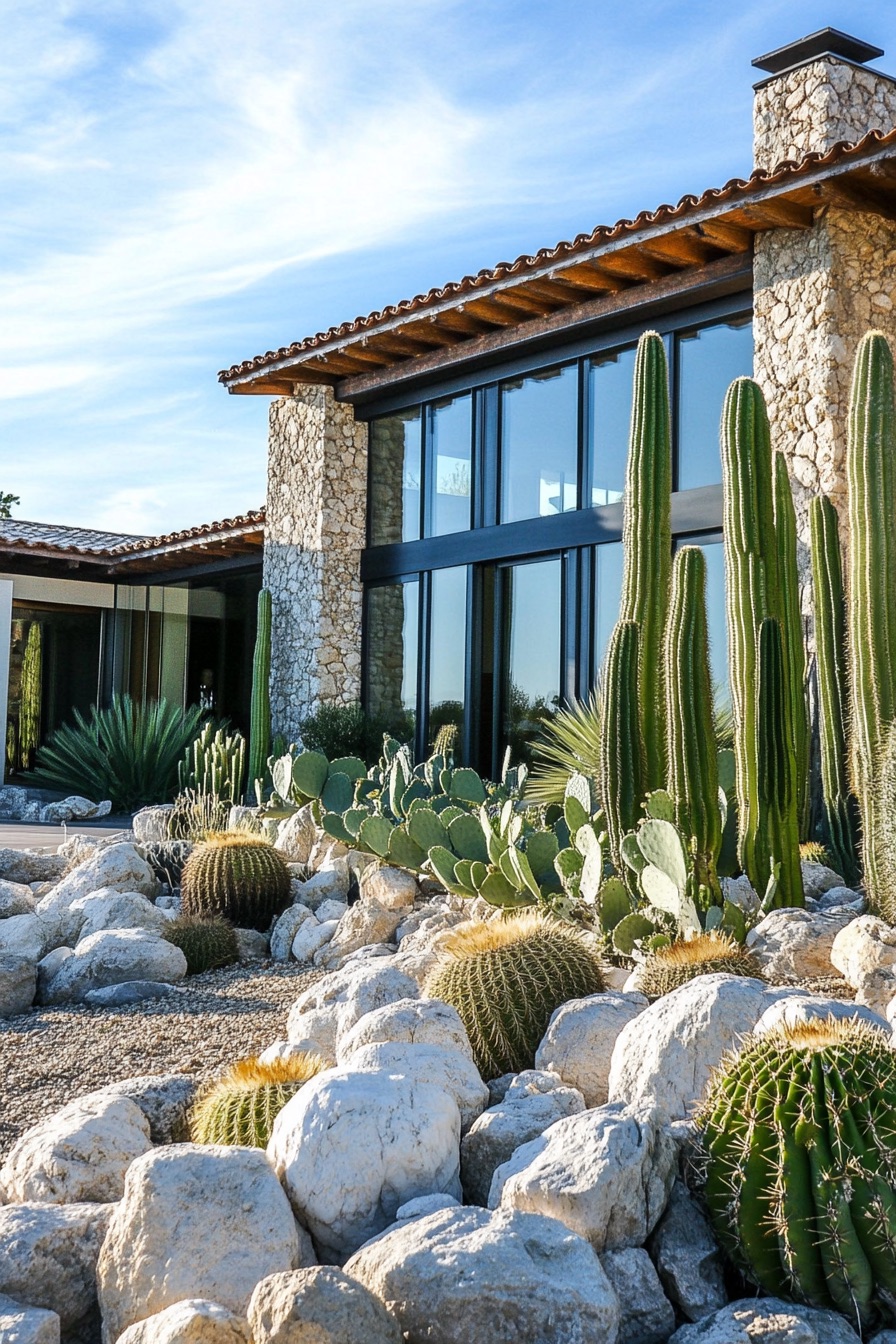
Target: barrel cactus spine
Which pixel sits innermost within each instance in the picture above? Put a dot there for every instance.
(871, 609)
(238, 876)
(240, 1107)
(207, 941)
(647, 540)
(838, 801)
(622, 759)
(260, 714)
(791, 618)
(713, 953)
(692, 759)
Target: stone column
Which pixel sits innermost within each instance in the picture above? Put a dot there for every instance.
(818, 290)
(314, 534)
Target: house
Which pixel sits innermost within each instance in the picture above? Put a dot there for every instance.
(443, 522)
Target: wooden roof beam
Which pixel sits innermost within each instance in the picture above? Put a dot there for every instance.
(556, 290)
(588, 277)
(855, 196)
(467, 324)
(720, 233)
(678, 249)
(503, 313)
(777, 214)
(632, 264)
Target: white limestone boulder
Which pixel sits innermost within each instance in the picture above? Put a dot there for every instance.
(78, 1155)
(578, 1044)
(795, 1010)
(607, 1174)
(297, 835)
(27, 865)
(150, 824)
(416, 1021)
(285, 930)
(48, 1256)
(391, 888)
(453, 1070)
(646, 1314)
(121, 866)
(320, 1305)
(194, 1321)
(331, 883)
(115, 957)
(362, 924)
(818, 879)
(796, 944)
(864, 951)
(16, 898)
(25, 936)
(352, 1147)
(466, 1275)
(164, 1098)
(27, 1325)
(73, 808)
(668, 1051)
(311, 936)
(768, 1321)
(194, 1221)
(111, 909)
(687, 1257)
(328, 1009)
(18, 984)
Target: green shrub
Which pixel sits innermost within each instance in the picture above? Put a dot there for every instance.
(127, 753)
(236, 875)
(241, 1106)
(347, 730)
(207, 941)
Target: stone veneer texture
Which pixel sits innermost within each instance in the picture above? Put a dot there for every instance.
(315, 532)
(815, 106)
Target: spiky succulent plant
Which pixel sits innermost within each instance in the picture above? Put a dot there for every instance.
(239, 1108)
(239, 876)
(799, 1136)
(813, 851)
(207, 941)
(708, 954)
(506, 977)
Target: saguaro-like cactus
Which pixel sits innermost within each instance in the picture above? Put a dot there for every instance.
(787, 604)
(622, 765)
(260, 724)
(776, 843)
(31, 695)
(692, 760)
(838, 800)
(871, 477)
(647, 539)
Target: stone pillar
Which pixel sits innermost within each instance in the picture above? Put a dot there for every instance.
(818, 290)
(314, 534)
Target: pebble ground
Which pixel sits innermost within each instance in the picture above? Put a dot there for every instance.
(52, 1055)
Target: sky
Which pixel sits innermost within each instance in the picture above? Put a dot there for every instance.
(186, 185)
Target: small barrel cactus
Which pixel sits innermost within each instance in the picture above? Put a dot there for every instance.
(506, 977)
(207, 941)
(240, 1107)
(708, 954)
(239, 876)
(799, 1136)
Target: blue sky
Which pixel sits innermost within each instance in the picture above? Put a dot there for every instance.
(188, 184)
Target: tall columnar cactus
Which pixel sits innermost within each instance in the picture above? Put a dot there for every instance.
(693, 766)
(31, 695)
(647, 540)
(776, 843)
(260, 724)
(871, 611)
(838, 800)
(799, 1135)
(214, 764)
(790, 616)
(623, 782)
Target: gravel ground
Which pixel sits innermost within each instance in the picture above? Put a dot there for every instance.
(52, 1055)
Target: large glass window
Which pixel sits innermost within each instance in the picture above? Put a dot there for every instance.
(531, 610)
(607, 592)
(709, 359)
(395, 470)
(447, 648)
(393, 655)
(610, 408)
(539, 444)
(451, 428)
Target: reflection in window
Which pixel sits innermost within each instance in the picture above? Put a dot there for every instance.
(708, 361)
(447, 648)
(610, 406)
(531, 646)
(607, 593)
(452, 441)
(395, 478)
(539, 437)
(392, 657)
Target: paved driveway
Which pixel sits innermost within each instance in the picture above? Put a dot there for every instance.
(18, 835)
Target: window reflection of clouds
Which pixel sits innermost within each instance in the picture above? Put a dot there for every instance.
(539, 438)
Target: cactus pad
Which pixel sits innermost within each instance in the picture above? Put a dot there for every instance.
(506, 977)
(207, 941)
(707, 954)
(236, 875)
(240, 1107)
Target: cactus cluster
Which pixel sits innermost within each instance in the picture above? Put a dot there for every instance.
(215, 764)
(237, 876)
(167, 858)
(668, 968)
(260, 719)
(240, 1107)
(207, 941)
(506, 977)
(799, 1136)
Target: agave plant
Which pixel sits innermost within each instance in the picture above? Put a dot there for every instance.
(127, 752)
(569, 745)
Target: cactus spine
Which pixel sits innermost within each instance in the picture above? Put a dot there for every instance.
(622, 761)
(776, 843)
(647, 540)
(871, 478)
(241, 1106)
(31, 695)
(791, 620)
(260, 723)
(830, 638)
(693, 768)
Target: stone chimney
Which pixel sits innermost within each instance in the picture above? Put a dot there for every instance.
(818, 92)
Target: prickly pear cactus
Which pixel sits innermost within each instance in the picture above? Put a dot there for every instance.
(240, 1107)
(799, 1136)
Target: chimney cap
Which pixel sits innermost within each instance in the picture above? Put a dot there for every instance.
(826, 42)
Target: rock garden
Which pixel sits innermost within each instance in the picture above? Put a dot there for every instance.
(601, 1055)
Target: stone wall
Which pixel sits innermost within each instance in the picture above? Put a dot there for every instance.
(814, 106)
(315, 532)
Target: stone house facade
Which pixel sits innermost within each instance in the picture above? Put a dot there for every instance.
(443, 515)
